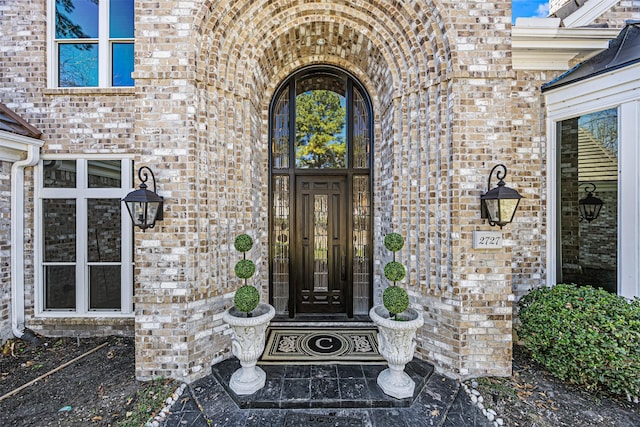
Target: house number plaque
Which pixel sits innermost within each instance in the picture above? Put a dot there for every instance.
(487, 240)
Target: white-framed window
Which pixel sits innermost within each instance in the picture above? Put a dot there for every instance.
(91, 43)
(84, 234)
(607, 248)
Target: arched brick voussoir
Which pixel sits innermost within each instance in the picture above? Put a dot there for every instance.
(368, 61)
(352, 35)
(248, 54)
(401, 36)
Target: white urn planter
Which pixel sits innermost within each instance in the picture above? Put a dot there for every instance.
(247, 345)
(396, 339)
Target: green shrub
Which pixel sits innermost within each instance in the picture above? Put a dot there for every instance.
(394, 271)
(393, 241)
(243, 243)
(395, 300)
(246, 298)
(245, 268)
(585, 336)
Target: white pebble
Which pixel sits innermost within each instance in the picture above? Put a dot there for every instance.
(474, 398)
(481, 406)
(490, 416)
(476, 392)
(491, 411)
(480, 399)
(474, 384)
(155, 424)
(169, 401)
(484, 412)
(500, 421)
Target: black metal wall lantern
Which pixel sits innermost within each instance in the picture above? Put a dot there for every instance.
(144, 206)
(499, 205)
(590, 206)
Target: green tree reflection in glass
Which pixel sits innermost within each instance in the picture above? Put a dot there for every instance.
(320, 130)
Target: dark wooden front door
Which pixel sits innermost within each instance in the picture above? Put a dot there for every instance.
(320, 258)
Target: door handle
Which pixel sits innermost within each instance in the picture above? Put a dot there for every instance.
(343, 268)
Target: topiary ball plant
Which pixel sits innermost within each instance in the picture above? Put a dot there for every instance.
(247, 297)
(394, 271)
(245, 268)
(395, 299)
(243, 243)
(394, 242)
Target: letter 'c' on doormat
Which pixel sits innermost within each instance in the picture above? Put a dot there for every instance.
(315, 346)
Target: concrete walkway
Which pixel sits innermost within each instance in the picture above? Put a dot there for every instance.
(325, 395)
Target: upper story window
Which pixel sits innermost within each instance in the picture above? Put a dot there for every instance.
(93, 43)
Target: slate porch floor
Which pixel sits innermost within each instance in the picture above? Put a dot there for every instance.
(325, 395)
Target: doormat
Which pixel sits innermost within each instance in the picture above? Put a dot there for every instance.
(311, 346)
(296, 420)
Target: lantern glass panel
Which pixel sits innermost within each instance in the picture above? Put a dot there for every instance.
(508, 209)
(493, 209)
(138, 213)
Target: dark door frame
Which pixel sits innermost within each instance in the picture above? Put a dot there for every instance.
(293, 173)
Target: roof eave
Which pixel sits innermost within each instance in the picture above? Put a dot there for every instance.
(541, 44)
(13, 146)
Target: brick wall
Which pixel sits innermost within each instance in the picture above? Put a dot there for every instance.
(447, 108)
(73, 121)
(623, 11)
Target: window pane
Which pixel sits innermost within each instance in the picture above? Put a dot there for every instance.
(321, 243)
(60, 286)
(104, 288)
(321, 122)
(280, 137)
(59, 173)
(121, 19)
(122, 57)
(103, 234)
(589, 165)
(280, 269)
(76, 19)
(361, 142)
(361, 239)
(59, 217)
(104, 173)
(78, 64)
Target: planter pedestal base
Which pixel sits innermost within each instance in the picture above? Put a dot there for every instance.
(397, 344)
(247, 345)
(247, 380)
(396, 383)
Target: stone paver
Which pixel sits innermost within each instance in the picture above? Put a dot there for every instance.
(439, 401)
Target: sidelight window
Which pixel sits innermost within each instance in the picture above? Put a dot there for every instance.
(588, 164)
